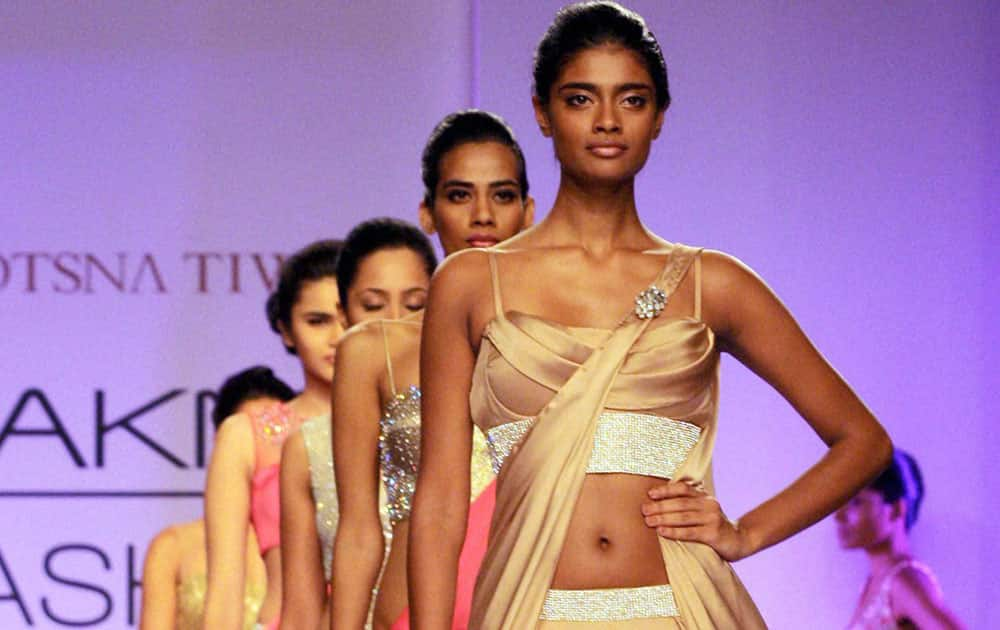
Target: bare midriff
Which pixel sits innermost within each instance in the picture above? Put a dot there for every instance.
(608, 544)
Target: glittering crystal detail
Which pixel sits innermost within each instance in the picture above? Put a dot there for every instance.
(631, 443)
(275, 423)
(609, 604)
(317, 440)
(650, 302)
(399, 451)
(481, 467)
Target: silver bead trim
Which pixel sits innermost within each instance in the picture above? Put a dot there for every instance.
(631, 443)
(609, 604)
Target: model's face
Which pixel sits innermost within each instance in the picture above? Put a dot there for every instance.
(602, 115)
(389, 284)
(316, 327)
(477, 202)
(865, 521)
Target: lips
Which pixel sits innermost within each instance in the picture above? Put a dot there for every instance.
(482, 240)
(607, 150)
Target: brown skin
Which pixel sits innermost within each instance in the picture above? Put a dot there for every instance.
(477, 202)
(314, 332)
(867, 522)
(478, 198)
(591, 253)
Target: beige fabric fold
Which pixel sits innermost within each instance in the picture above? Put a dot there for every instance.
(672, 368)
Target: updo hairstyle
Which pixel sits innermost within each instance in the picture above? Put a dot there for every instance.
(470, 125)
(313, 262)
(586, 25)
(375, 235)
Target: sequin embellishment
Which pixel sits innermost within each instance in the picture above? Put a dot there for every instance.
(399, 451)
(631, 443)
(650, 302)
(275, 423)
(609, 604)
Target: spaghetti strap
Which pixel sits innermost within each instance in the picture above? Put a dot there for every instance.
(388, 359)
(697, 286)
(495, 282)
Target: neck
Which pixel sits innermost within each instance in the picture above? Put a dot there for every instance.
(314, 399)
(597, 217)
(884, 555)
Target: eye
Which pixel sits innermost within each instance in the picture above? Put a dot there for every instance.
(577, 100)
(416, 305)
(506, 195)
(635, 100)
(317, 320)
(457, 195)
(371, 307)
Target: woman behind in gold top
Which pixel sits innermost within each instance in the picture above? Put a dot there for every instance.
(587, 348)
(173, 578)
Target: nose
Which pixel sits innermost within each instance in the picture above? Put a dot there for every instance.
(606, 120)
(482, 211)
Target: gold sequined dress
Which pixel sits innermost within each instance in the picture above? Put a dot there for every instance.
(191, 591)
(641, 398)
(399, 453)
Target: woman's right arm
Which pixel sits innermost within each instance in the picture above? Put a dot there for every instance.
(227, 516)
(303, 583)
(441, 504)
(159, 583)
(359, 544)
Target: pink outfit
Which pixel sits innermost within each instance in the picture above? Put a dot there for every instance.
(480, 514)
(271, 428)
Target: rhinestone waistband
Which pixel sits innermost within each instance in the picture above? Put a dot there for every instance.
(609, 604)
(624, 442)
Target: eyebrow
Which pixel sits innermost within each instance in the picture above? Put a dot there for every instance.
(592, 87)
(463, 184)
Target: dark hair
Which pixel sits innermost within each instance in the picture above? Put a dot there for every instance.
(589, 24)
(250, 384)
(902, 480)
(463, 127)
(313, 262)
(373, 235)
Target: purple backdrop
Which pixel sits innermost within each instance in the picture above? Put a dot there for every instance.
(155, 161)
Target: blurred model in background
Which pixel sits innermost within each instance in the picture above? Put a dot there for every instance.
(242, 488)
(901, 591)
(174, 576)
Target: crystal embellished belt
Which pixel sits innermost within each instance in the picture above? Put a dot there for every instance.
(624, 442)
(609, 604)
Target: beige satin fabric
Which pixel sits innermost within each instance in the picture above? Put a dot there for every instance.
(527, 367)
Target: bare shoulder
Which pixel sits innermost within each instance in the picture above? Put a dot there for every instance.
(361, 348)
(462, 280)
(235, 435)
(464, 267)
(723, 273)
(913, 583)
(165, 545)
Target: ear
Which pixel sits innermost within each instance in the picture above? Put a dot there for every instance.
(286, 336)
(658, 124)
(529, 213)
(426, 218)
(897, 510)
(542, 117)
